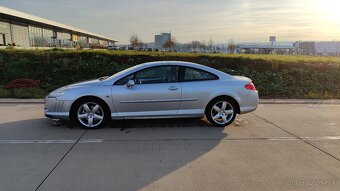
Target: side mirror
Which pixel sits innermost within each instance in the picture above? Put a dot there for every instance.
(130, 83)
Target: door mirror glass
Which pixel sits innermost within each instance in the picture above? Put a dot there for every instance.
(130, 83)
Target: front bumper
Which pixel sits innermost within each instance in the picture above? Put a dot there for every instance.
(57, 115)
(57, 109)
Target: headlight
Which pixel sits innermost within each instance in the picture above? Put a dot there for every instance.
(57, 93)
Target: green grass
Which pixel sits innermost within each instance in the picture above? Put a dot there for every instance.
(251, 57)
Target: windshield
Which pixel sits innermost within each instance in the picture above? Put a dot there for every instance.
(123, 71)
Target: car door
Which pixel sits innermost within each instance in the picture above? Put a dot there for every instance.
(156, 92)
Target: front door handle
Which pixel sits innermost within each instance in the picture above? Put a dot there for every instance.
(173, 88)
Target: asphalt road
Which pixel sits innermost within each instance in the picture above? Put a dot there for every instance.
(278, 147)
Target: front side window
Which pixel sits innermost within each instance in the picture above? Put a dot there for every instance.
(158, 74)
(193, 74)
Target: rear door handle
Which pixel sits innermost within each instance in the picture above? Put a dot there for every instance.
(173, 88)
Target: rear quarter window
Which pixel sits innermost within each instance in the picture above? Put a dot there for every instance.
(194, 74)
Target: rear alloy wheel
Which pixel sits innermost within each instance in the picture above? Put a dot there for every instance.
(90, 115)
(221, 112)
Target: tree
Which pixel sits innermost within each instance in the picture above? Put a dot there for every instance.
(232, 46)
(169, 43)
(198, 45)
(135, 41)
(195, 44)
(203, 46)
(211, 44)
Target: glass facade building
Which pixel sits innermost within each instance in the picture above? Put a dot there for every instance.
(24, 30)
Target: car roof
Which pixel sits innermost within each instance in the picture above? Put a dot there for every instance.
(182, 63)
(178, 63)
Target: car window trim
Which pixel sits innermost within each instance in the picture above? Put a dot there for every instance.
(134, 73)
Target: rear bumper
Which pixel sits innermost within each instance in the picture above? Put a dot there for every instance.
(249, 102)
(247, 109)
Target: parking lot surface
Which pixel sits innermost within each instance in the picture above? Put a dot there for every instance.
(278, 147)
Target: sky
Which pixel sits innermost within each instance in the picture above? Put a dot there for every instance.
(219, 20)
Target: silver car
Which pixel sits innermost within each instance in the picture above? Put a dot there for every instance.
(168, 89)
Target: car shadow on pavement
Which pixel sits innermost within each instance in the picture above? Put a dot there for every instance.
(159, 123)
(124, 161)
(36, 129)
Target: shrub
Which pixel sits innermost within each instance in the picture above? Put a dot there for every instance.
(275, 76)
(4, 93)
(23, 93)
(26, 93)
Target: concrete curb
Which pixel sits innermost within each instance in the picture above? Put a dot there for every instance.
(18, 101)
(262, 101)
(300, 101)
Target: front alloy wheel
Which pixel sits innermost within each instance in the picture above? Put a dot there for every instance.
(90, 115)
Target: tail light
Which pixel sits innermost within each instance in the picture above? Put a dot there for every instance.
(250, 86)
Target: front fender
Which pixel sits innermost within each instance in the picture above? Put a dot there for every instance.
(101, 92)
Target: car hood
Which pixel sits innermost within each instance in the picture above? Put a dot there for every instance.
(88, 83)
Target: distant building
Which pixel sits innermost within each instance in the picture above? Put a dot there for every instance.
(305, 48)
(160, 39)
(261, 48)
(272, 40)
(25, 30)
(327, 48)
(264, 48)
(331, 48)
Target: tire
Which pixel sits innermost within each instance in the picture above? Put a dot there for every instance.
(90, 113)
(221, 112)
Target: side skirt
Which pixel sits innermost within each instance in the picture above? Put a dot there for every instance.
(159, 114)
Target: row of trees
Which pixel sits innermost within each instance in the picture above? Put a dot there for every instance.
(136, 42)
(210, 46)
